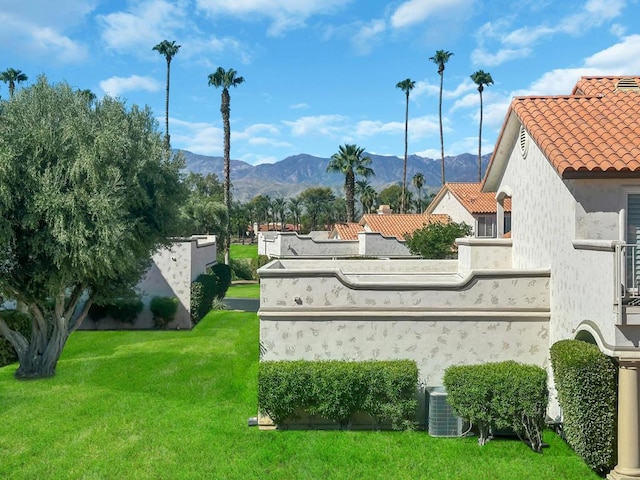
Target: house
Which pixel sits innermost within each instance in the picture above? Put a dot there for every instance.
(568, 169)
(466, 202)
(172, 270)
(571, 167)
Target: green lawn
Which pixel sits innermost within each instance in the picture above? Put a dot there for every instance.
(250, 290)
(237, 250)
(174, 405)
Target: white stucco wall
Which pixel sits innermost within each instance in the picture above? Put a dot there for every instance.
(423, 310)
(374, 244)
(553, 222)
(449, 205)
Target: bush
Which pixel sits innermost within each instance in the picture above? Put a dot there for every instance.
(504, 395)
(164, 310)
(257, 263)
(203, 292)
(336, 390)
(437, 240)
(223, 275)
(18, 321)
(123, 310)
(586, 380)
(241, 269)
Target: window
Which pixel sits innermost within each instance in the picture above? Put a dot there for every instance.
(486, 226)
(507, 223)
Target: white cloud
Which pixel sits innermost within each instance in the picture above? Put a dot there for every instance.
(299, 106)
(369, 128)
(116, 86)
(482, 57)
(415, 11)
(34, 29)
(367, 36)
(284, 14)
(142, 25)
(330, 125)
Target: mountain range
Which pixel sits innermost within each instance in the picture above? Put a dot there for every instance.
(292, 175)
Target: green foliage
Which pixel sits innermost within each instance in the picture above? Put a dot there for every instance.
(223, 275)
(586, 380)
(242, 269)
(125, 310)
(164, 310)
(19, 322)
(207, 288)
(260, 262)
(87, 194)
(336, 390)
(437, 240)
(504, 394)
(392, 196)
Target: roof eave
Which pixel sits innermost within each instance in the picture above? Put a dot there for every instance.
(502, 152)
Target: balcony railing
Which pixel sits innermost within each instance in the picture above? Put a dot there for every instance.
(627, 272)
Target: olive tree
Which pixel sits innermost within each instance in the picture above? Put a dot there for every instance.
(87, 194)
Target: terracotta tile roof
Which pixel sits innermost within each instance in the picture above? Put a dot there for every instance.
(473, 199)
(346, 231)
(398, 224)
(593, 131)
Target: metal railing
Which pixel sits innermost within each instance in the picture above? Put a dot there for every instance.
(627, 273)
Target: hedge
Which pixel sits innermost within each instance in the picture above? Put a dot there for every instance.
(164, 310)
(18, 321)
(208, 287)
(504, 395)
(123, 310)
(586, 381)
(336, 390)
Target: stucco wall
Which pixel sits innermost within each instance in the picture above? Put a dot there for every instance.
(421, 310)
(374, 244)
(546, 219)
(170, 275)
(449, 205)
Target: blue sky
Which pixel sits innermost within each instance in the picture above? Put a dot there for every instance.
(321, 73)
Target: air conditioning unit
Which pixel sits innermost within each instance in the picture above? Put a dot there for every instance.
(441, 420)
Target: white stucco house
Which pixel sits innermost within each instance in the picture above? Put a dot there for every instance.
(466, 202)
(170, 275)
(569, 166)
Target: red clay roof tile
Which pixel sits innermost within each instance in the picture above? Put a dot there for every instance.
(594, 130)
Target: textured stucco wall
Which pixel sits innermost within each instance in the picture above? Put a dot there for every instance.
(290, 244)
(546, 219)
(421, 310)
(449, 205)
(171, 273)
(374, 244)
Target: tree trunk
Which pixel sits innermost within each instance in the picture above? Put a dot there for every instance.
(441, 135)
(225, 110)
(406, 146)
(480, 141)
(349, 183)
(166, 105)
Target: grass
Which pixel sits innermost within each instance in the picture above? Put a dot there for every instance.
(249, 290)
(237, 250)
(175, 404)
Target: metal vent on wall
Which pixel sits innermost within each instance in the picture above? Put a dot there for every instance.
(628, 84)
(524, 142)
(441, 421)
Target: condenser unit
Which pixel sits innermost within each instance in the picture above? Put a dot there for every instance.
(441, 420)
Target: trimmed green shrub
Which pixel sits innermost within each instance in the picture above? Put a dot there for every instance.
(203, 292)
(164, 310)
(123, 310)
(223, 275)
(241, 269)
(18, 321)
(257, 263)
(505, 395)
(336, 390)
(586, 380)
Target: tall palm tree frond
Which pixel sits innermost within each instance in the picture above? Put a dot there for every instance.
(440, 59)
(168, 50)
(350, 161)
(481, 79)
(406, 86)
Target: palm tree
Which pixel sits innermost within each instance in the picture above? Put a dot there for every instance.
(418, 182)
(11, 76)
(481, 78)
(279, 206)
(224, 79)
(406, 86)
(169, 50)
(367, 195)
(440, 58)
(295, 210)
(350, 161)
